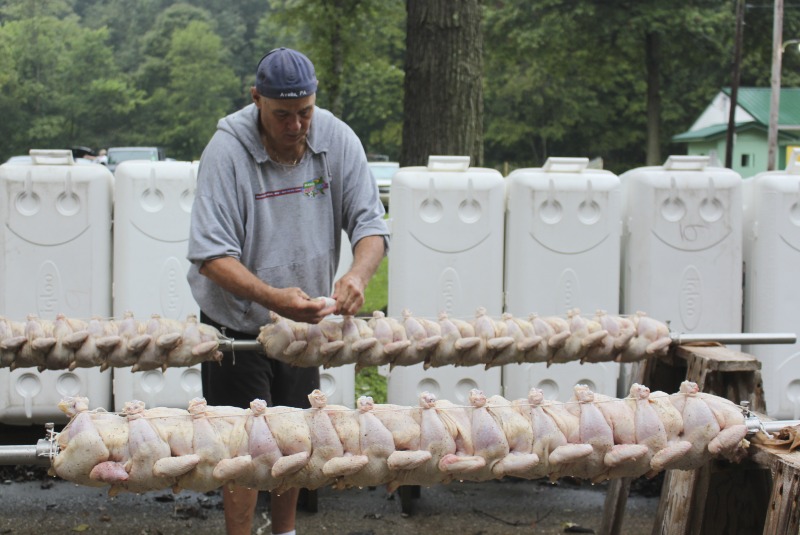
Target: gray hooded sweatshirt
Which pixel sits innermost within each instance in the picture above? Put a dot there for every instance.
(284, 223)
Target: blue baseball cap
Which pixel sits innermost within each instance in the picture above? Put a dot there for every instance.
(285, 73)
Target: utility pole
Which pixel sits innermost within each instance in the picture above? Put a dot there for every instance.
(775, 79)
(737, 60)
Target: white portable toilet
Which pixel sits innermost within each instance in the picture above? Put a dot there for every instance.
(446, 256)
(56, 258)
(772, 292)
(682, 245)
(152, 208)
(563, 231)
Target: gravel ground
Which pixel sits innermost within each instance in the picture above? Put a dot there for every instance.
(31, 502)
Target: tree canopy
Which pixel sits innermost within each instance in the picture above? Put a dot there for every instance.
(560, 77)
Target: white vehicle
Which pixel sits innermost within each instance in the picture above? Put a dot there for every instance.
(117, 155)
(383, 173)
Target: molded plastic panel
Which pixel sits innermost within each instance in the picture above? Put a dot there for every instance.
(563, 231)
(772, 299)
(682, 245)
(446, 255)
(55, 257)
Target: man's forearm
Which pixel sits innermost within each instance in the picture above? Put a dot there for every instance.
(367, 256)
(231, 275)
(293, 303)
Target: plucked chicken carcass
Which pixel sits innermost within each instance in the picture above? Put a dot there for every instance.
(593, 437)
(159, 342)
(480, 341)
(68, 343)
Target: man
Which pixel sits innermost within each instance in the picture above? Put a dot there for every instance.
(277, 183)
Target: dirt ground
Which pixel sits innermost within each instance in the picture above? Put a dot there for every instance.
(33, 503)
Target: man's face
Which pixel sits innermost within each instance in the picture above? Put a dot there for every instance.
(285, 121)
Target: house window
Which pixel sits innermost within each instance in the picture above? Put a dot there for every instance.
(747, 160)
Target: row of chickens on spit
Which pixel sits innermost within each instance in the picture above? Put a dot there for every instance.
(69, 343)
(273, 448)
(158, 342)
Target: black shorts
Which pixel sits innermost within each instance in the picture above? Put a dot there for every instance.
(243, 376)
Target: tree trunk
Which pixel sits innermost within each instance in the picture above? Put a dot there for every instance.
(443, 104)
(335, 12)
(653, 65)
(337, 63)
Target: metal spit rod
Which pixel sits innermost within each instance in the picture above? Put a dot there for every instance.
(735, 338)
(45, 450)
(41, 454)
(38, 455)
(773, 426)
(226, 346)
(677, 338)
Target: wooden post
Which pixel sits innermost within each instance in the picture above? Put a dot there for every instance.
(783, 508)
(726, 373)
(737, 60)
(614, 506)
(619, 489)
(775, 85)
(719, 498)
(678, 510)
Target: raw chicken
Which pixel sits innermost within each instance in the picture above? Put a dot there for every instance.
(594, 430)
(37, 343)
(492, 443)
(12, 338)
(198, 343)
(548, 429)
(384, 330)
(458, 337)
(123, 343)
(421, 343)
(327, 459)
(583, 335)
(163, 342)
(520, 459)
(651, 338)
(276, 448)
(88, 354)
(252, 463)
(376, 444)
(80, 444)
(69, 336)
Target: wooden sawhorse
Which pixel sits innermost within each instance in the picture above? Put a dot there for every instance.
(706, 500)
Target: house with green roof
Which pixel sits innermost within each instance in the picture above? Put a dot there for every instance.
(707, 136)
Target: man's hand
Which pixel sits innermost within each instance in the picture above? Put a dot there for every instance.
(349, 294)
(349, 290)
(295, 304)
(291, 303)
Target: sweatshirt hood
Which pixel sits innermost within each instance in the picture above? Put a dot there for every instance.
(243, 125)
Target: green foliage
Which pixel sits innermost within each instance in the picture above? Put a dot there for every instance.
(373, 106)
(113, 72)
(154, 71)
(561, 77)
(376, 297)
(200, 89)
(371, 383)
(60, 85)
(357, 49)
(567, 77)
